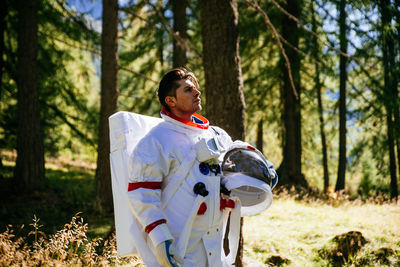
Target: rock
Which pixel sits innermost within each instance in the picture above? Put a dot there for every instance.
(277, 260)
(349, 243)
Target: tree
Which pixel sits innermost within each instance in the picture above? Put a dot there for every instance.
(29, 167)
(221, 61)
(396, 79)
(223, 75)
(180, 24)
(340, 183)
(390, 87)
(3, 13)
(318, 86)
(260, 133)
(290, 169)
(109, 100)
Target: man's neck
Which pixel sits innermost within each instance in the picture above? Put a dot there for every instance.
(185, 116)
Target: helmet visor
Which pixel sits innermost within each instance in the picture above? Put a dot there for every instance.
(247, 162)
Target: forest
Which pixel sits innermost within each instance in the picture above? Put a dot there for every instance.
(313, 84)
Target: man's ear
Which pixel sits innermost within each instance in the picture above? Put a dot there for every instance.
(171, 101)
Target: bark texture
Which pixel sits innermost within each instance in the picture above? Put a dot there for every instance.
(109, 101)
(29, 168)
(221, 61)
(390, 89)
(318, 88)
(290, 169)
(180, 27)
(341, 176)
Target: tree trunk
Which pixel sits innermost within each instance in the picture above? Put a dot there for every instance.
(180, 27)
(290, 169)
(260, 133)
(29, 168)
(160, 34)
(160, 44)
(396, 77)
(223, 74)
(3, 13)
(340, 183)
(109, 100)
(318, 87)
(390, 88)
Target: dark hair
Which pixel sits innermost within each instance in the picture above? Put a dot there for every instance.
(169, 83)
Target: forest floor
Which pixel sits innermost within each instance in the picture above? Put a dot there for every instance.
(302, 228)
(324, 232)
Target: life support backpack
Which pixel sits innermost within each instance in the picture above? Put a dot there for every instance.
(126, 130)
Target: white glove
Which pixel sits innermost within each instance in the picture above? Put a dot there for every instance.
(167, 255)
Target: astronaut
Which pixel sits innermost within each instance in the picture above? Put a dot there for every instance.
(174, 180)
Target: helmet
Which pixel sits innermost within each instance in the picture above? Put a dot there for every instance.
(249, 176)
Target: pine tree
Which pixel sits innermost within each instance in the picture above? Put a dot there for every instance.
(109, 100)
(29, 168)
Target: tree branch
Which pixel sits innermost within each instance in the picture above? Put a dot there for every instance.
(175, 35)
(313, 33)
(77, 21)
(278, 39)
(137, 74)
(94, 51)
(60, 114)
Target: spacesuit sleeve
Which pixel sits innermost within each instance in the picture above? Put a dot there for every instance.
(148, 165)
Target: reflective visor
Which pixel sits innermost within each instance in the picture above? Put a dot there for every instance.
(247, 162)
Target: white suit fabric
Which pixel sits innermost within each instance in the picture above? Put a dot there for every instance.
(163, 170)
(126, 129)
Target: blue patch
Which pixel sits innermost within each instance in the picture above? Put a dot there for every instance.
(197, 120)
(203, 167)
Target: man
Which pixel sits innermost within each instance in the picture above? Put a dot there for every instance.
(174, 184)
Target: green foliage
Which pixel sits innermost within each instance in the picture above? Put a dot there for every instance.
(66, 79)
(69, 56)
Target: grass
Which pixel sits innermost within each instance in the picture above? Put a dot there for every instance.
(297, 230)
(69, 189)
(302, 232)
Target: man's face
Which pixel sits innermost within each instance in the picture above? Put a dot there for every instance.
(187, 100)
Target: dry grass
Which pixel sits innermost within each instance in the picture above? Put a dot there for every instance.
(68, 247)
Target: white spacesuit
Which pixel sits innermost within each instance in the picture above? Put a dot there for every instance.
(165, 168)
(166, 186)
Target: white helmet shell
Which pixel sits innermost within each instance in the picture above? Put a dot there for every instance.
(250, 177)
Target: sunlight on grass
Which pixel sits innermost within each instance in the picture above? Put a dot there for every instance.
(100, 226)
(296, 230)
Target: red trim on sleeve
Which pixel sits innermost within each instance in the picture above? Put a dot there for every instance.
(154, 225)
(250, 147)
(147, 185)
